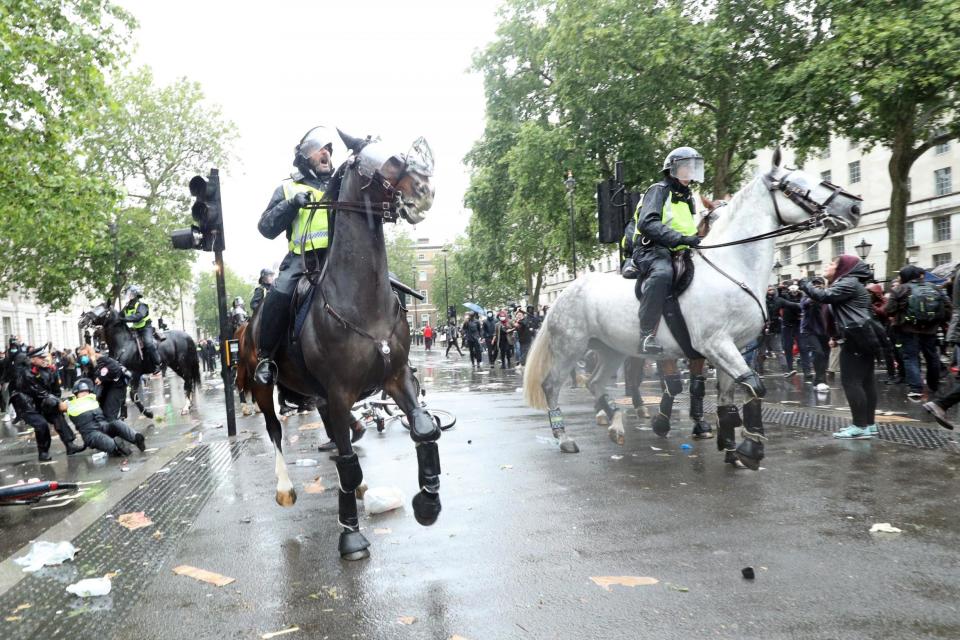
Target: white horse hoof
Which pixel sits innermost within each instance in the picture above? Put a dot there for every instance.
(184, 411)
(616, 435)
(602, 420)
(286, 498)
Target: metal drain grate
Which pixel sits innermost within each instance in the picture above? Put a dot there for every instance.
(172, 500)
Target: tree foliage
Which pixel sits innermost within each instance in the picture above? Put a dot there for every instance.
(401, 255)
(883, 74)
(205, 298)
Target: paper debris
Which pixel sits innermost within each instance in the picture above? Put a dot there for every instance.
(406, 619)
(625, 581)
(202, 575)
(13, 618)
(382, 532)
(135, 520)
(656, 449)
(884, 527)
(274, 634)
(25, 605)
(311, 426)
(616, 457)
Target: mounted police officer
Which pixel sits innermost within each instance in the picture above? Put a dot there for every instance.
(665, 224)
(238, 315)
(264, 284)
(307, 239)
(137, 314)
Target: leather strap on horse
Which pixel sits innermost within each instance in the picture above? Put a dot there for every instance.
(383, 346)
(742, 285)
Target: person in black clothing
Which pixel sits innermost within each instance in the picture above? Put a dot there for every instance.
(853, 320)
(665, 225)
(814, 339)
(36, 403)
(790, 330)
(109, 436)
(472, 335)
(525, 333)
(770, 339)
(308, 236)
(111, 378)
(264, 284)
(451, 332)
(504, 336)
(489, 331)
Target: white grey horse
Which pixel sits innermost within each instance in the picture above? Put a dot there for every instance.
(599, 310)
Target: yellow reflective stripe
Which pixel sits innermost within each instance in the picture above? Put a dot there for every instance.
(143, 322)
(679, 217)
(78, 406)
(317, 236)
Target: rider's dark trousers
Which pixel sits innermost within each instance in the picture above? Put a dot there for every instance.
(150, 347)
(112, 397)
(102, 436)
(653, 284)
(275, 315)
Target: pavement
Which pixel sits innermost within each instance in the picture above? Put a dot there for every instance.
(526, 532)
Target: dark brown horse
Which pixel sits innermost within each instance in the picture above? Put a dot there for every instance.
(354, 339)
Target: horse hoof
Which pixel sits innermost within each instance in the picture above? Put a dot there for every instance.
(750, 453)
(702, 431)
(660, 425)
(569, 446)
(731, 459)
(361, 491)
(426, 507)
(353, 546)
(184, 411)
(286, 498)
(147, 413)
(602, 420)
(616, 436)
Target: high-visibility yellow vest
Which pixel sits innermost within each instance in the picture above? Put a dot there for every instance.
(317, 236)
(676, 215)
(78, 406)
(127, 311)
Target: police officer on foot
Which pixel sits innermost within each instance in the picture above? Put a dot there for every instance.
(307, 239)
(38, 406)
(665, 224)
(264, 284)
(111, 379)
(137, 314)
(109, 436)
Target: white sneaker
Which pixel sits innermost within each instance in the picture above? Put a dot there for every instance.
(822, 387)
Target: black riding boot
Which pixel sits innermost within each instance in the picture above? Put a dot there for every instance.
(273, 325)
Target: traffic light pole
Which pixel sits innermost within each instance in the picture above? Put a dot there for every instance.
(226, 372)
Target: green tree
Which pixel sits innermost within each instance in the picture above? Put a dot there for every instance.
(54, 56)
(884, 74)
(401, 255)
(205, 298)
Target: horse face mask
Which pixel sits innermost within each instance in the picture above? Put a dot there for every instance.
(409, 172)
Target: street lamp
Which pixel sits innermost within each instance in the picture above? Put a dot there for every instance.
(446, 283)
(863, 249)
(570, 184)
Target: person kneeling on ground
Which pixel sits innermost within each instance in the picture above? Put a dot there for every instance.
(109, 436)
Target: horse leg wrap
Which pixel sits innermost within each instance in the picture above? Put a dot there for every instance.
(603, 404)
(349, 474)
(426, 504)
(698, 388)
(753, 383)
(728, 419)
(348, 510)
(750, 451)
(556, 422)
(672, 385)
(353, 545)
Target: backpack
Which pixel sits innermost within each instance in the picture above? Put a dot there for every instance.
(924, 306)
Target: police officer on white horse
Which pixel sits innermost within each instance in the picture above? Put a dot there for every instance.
(665, 224)
(307, 239)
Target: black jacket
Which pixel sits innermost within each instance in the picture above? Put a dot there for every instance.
(258, 294)
(30, 385)
(472, 330)
(898, 303)
(107, 371)
(650, 216)
(773, 318)
(847, 296)
(489, 327)
(280, 213)
(791, 311)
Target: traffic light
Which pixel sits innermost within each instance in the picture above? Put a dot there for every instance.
(207, 233)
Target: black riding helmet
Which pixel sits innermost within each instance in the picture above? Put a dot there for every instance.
(83, 384)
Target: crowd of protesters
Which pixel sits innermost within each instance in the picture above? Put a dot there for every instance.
(844, 322)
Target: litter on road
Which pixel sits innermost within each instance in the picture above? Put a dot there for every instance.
(382, 499)
(203, 575)
(274, 634)
(884, 527)
(135, 520)
(44, 554)
(624, 581)
(90, 588)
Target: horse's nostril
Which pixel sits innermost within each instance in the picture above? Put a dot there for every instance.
(855, 209)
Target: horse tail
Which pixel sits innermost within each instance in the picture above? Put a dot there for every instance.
(244, 378)
(537, 367)
(192, 365)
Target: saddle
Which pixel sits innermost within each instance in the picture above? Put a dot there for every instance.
(683, 273)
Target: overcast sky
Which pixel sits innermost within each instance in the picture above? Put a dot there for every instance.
(396, 69)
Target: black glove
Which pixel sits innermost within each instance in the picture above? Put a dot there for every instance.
(690, 241)
(300, 199)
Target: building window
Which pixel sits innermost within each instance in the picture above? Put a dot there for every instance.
(424, 318)
(31, 337)
(826, 176)
(423, 292)
(813, 252)
(838, 246)
(785, 255)
(940, 149)
(853, 172)
(941, 229)
(851, 144)
(784, 277)
(908, 239)
(942, 181)
(940, 258)
(7, 328)
(422, 256)
(66, 339)
(423, 276)
(825, 152)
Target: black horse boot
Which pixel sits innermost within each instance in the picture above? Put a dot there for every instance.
(750, 451)
(273, 324)
(728, 419)
(672, 385)
(701, 428)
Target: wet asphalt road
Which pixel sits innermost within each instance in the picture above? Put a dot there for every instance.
(524, 528)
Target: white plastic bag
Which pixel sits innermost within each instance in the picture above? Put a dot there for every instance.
(45, 554)
(90, 587)
(381, 499)
(306, 462)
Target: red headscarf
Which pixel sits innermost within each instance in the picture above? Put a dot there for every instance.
(845, 265)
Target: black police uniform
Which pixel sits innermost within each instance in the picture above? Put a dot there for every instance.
(36, 404)
(111, 377)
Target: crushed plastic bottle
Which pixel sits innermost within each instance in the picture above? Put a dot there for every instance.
(99, 457)
(90, 587)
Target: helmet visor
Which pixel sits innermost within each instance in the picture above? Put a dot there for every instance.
(687, 169)
(316, 139)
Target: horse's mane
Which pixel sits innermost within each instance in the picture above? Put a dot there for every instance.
(733, 205)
